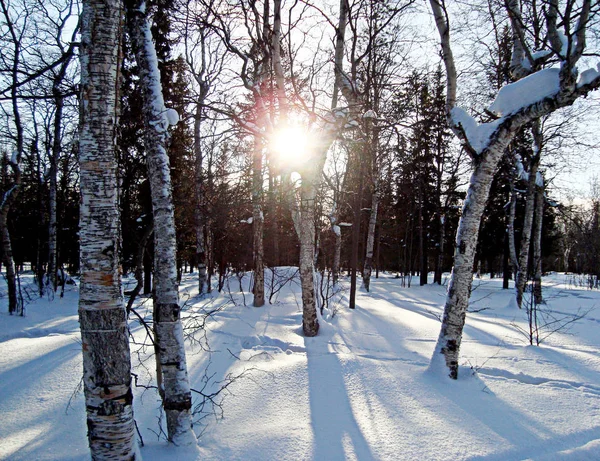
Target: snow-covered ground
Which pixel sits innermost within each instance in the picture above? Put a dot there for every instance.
(360, 390)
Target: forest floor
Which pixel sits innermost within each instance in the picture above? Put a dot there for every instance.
(359, 390)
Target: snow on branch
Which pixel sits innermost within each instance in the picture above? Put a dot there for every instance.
(477, 135)
(525, 92)
(588, 76)
(527, 97)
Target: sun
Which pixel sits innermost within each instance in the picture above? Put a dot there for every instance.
(290, 145)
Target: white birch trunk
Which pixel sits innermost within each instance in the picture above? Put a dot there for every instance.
(308, 193)
(172, 373)
(104, 334)
(461, 279)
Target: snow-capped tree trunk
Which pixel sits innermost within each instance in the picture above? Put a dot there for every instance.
(171, 365)
(522, 269)
(537, 245)
(561, 89)
(104, 334)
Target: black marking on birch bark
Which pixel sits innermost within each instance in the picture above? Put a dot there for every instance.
(168, 312)
(109, 250)
(102, 319)
(462, 247)
(451, 345)
(110, 408)
(179, 406)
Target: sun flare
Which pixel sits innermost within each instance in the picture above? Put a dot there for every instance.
(290, 144)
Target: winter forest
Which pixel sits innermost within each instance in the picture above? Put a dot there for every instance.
(296, 229)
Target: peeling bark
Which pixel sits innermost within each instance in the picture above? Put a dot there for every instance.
(104, 335)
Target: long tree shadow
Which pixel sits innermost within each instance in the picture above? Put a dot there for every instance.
(336, 433)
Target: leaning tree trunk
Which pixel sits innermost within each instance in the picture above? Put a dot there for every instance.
(104, 334)
(171, 365)
(537, 246)
(459, 287)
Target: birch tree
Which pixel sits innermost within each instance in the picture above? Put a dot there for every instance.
(104, 335)
(534, 95)
(172, 376)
